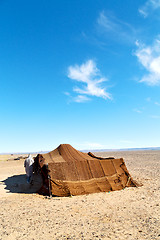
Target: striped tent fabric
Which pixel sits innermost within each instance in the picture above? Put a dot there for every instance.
(66, 171)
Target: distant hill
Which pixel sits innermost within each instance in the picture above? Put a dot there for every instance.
(90, 150)
(122, 149)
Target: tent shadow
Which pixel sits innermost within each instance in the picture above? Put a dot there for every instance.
(18, 184)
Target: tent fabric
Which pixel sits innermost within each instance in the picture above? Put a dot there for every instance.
(72, 172)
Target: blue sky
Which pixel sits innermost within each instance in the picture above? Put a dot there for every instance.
(81, 72)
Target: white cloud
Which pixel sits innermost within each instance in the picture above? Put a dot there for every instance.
(90, 76)
(81, 98)
(117, 29)
(155, 116)
(94, 145)
(148, 7)
(149, 57)
(157, 103)
(137, 110)
(67, 93)
(148, 99)
(107, 23)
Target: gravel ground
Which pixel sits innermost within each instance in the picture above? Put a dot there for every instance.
(132, 213)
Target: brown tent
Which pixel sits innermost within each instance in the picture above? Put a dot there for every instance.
(66, 171)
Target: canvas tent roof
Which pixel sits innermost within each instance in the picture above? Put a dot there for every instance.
(74, 173)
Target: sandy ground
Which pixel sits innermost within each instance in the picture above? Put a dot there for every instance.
(132, 213)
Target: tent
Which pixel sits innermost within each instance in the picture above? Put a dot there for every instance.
(66, 171)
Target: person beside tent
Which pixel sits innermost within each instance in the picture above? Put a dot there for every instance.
(28, 164)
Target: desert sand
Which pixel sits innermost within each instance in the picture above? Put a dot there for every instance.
(132, 213)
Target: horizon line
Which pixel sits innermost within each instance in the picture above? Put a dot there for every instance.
(87, 150)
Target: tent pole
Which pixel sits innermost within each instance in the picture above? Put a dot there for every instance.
(49, 183)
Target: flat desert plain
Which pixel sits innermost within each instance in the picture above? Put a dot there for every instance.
(132, 213)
